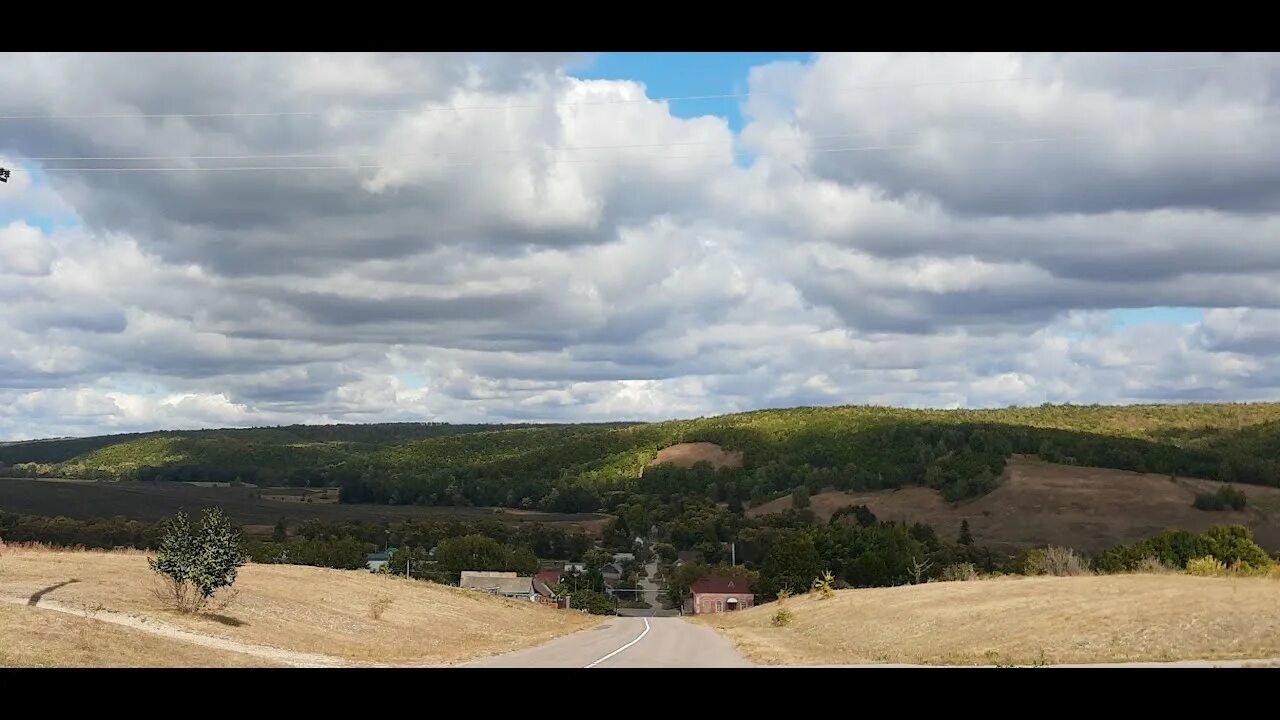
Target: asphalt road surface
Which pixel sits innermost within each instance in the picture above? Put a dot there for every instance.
(628, 642)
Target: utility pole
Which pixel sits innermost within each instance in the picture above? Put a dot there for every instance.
(733, 553)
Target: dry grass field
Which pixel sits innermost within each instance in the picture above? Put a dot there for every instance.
(1023, 621)
(43, 638)
(1040, 503)
(689, 454)
(349, 617)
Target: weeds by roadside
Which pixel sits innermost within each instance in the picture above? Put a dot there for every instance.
(783, 616)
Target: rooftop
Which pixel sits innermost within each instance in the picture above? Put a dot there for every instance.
(722, 584)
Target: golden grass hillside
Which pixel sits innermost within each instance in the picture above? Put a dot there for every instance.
(33, 637)
(1054, 620)
(301, 609)
(1039, 503)
(690, 454)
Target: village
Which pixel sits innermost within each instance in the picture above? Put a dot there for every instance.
(635, 583)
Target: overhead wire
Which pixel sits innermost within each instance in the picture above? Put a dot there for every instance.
(379, 166)
(526, 106)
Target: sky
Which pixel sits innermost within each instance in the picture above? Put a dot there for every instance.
(196, 241)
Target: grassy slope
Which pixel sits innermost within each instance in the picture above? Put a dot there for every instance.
(44, 638)
(819, 436)
(312, 610)
(1040, 503)
(1114, 618)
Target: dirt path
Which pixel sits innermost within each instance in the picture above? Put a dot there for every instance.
(165, 630)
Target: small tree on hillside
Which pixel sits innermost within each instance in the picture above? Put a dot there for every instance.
(281, 532)
(966, 538)
(197, 562)
(800, 497)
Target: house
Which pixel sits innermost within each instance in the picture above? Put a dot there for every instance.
(575, 567)
(619, 558)
(611, 572)
(506, 584)
(720, 593)
(547, 578)
(684, 557)
(375, 561)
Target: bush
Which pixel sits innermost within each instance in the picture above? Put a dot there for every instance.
(378, 605)
(1152, 564)
(1065, 562)
(1234, 543)
(1207, 566)
(1058, 561)
(196, 562)
(1226, 498)
(783, 616)
(596, 603)
(823, 584)
(959, 572)
(1030, 562)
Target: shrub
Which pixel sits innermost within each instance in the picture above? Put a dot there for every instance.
(1234, 543)
(1030, 562)
(1207, 566)
(1065, 562)
(196, 562)
(822, 584)
(1152, 564)
(596, 603)
(783, 616)
(378, 605)
(959, 572)
(1226, 498)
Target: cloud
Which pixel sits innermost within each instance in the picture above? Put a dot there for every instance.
(493, 239)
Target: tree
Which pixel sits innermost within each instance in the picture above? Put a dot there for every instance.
(665, 552)
(595, 559)
(197, 562)
(595, 603)
(791, 563)
(471, 552)
(522, 560)
(800, 497)
(966, 538)
(281, 532)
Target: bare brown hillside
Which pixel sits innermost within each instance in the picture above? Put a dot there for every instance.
(1041, 503)
(689, 454)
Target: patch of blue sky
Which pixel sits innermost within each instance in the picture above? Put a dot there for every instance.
(411, 381)
(689, 74)
(47, 222)
(1162, 315)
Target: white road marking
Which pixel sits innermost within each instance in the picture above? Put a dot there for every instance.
(624, 647)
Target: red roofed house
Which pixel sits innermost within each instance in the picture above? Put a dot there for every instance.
(719, 593)
(542, 584)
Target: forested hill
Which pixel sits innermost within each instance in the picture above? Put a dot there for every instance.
(572, 467)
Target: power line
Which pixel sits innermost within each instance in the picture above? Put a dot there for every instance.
(141, 158)
(378, 166)
(585, 103)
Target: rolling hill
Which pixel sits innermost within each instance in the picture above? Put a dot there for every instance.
(1039, 503)
(568, 468)
(1022, 621)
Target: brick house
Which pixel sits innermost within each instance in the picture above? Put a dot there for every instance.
(718, 593)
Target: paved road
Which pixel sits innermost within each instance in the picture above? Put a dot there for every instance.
(628, 642)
